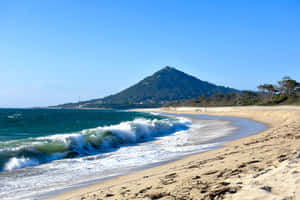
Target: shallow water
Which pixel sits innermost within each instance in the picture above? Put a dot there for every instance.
(162, 139)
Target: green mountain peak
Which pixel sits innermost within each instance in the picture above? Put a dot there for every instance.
(165, 85)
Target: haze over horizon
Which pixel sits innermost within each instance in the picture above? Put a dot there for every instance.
(53, 52)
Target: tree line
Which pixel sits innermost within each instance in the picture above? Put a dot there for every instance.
(285, 88)
(286, 91)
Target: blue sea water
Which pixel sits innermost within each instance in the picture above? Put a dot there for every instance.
(47, 151)
(34, 136)
(18, 124)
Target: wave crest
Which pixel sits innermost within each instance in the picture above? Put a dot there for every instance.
(16, 163)
(34, 151)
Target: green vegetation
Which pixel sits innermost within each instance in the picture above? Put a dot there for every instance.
(164, 86)
(171, 87)
(286, 92)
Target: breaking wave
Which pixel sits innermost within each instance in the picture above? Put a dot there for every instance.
(34, 151)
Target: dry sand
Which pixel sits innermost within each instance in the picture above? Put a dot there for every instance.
(263, 166)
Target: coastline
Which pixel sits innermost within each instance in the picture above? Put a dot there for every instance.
(231, 172)
(213, 132)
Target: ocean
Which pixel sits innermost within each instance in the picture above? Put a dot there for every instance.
(35, 136)
(46, 151)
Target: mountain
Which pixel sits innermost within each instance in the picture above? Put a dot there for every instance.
(166, 85)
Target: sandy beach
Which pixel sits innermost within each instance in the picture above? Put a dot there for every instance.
(262, 166)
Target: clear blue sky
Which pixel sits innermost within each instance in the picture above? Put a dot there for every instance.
(52, 52)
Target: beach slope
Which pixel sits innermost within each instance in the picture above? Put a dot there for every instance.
(262, 166)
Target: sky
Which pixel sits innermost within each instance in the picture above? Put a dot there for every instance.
(57, 51)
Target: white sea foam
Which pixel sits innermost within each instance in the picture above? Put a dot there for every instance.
(88, 141)
(154, 113)
(148, 150)
(17, 163)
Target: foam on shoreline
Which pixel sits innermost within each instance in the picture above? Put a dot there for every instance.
(67, 174)
(223, 172)
(213, 131)
(18, 154)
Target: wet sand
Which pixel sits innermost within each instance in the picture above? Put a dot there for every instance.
(261, 166)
